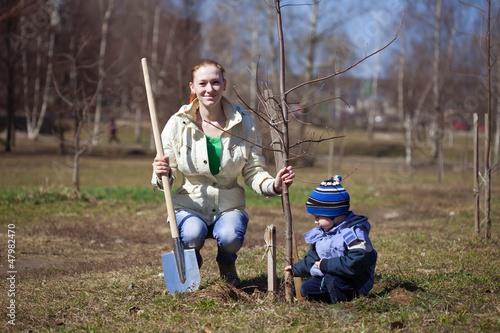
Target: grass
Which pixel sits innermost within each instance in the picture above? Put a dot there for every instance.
(93, 264)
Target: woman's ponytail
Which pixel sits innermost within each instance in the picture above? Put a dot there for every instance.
(192, 97)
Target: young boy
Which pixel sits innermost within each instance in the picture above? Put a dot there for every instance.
(341, 260)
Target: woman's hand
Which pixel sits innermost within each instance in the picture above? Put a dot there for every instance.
(286, 176)
(161, 166)
(318, 263)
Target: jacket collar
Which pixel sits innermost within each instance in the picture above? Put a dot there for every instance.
(317, 233)
(232, 113)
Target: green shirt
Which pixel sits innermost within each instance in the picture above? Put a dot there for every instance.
(214, 148)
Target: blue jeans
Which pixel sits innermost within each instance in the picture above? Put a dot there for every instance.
(329, 289)
(228, 230)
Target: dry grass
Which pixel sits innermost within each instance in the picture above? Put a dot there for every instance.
(93, 265)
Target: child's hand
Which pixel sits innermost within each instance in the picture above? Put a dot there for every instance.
(318, 263)
(288, 268)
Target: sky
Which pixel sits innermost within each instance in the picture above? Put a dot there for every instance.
(368, 31)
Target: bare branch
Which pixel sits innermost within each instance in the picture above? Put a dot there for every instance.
(471, 5)
(301, 4)
(239, 137)
(58, 91)
(353, 65)
(359, 165)
(20, 9)
(315, 141)
(326, 100)
(257, 112)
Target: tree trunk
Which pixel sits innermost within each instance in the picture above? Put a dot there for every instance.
(11, 111)
(408, 125)
(253, 56)
(497, 127)
(60, 132)
(373, 106)
(438, 123)
(144, 38)
(273, 56)
(154, 57)
(487, 148)
(35, 114)
(165, 65)
(311, 54)
(476, 177)
(138, 124)
(405, 115)
(401, 75)
(285, 153)
(78, 120)
(277, 145)
(76, 161)
(101, 74)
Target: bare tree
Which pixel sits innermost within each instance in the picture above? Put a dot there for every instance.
(405, 115)
(254, 50)
(487, 139)
(39, 96)
(73, 71)
(279, 124)
(489, 58)
(273, 57)
(144, 35)
(496, 148)
(374, 105)
(75, 98)
(101, 73)
(164, 37)
(437, 121)
(11, 12)
(312, 40)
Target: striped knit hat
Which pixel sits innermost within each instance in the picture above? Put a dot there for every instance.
(329, 199)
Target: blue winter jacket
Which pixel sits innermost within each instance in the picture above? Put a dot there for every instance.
(331, 246)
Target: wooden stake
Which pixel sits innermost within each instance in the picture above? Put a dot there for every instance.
(270, 237)
(476, 176)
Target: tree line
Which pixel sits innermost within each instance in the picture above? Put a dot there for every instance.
(80, 60)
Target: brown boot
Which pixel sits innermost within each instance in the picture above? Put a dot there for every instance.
(229, 274)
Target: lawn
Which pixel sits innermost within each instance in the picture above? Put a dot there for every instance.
(93, 264)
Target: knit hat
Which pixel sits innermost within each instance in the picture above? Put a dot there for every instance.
(329, 199)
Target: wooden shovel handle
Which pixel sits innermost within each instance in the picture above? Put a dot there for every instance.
(159, 151)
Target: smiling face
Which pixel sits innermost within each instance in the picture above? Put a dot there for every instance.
(208, 84)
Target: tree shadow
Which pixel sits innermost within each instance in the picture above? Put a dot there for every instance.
(258, 282)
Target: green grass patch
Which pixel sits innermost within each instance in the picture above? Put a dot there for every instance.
(93, 264)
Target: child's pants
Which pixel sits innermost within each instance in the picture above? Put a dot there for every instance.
(329, 289)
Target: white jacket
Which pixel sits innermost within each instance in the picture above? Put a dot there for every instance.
(202, 192)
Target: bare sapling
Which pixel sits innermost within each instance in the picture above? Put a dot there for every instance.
(274, 111)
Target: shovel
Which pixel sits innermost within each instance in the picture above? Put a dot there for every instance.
(180, 267)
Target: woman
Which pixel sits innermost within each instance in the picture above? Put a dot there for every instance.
(211, 142)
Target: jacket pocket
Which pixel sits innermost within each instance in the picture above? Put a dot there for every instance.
(237, 157)
(185, 162)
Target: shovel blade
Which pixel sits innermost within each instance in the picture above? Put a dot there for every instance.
(171, 275)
